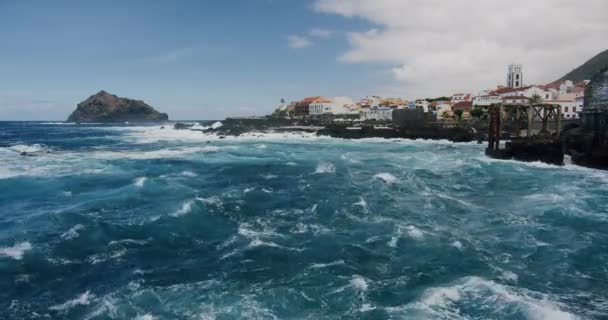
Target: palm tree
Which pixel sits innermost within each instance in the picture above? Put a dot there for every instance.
(536, 99)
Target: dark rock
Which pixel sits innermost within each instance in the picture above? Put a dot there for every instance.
(546, 150)
(580, 144)
(182, 126)
(433, 133)
(105, 107)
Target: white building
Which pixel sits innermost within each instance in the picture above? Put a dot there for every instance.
(443, 110)
(320, 106)
(460, 97)
(486, 100)
(516, 100)
(371, 101)
(515, 76)
(570, 108)
(377, 114)
(422, 105)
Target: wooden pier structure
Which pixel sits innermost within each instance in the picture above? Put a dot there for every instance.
(519, 116)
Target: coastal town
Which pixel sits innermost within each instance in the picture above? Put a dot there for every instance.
(447, 110)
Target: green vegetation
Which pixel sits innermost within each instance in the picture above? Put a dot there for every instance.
(438, 99)
(536, 99)
(458, 113)
(477, 112)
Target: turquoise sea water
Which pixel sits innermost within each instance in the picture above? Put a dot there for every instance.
(125, 222)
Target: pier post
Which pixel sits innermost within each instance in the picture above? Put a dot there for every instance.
(530, 120)
(491, 109)
(544, 118)
(499, 125)
(558, 121)
(517, 120)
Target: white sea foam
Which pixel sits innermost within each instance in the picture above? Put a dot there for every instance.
(139, 182)
(448, 197)
(457, 245)
(325, 167)
(326, 265)
(185, 209)
(415, 233)
(393, 242)
(17, 251)
(358, 283)
(213, 201)
(72, 233)
(189, 174)
(146, 316)
(34, 148)
(441, 301)
(247, 190)
(509, 276)
(386, 178)
(84, 299)
(361, 203)
(128, 241)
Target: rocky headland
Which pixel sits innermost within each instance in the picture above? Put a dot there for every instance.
(106, 107)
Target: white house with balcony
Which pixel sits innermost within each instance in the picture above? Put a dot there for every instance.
(460, 97)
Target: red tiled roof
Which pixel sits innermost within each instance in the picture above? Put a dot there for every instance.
(508, 90)
(310, 99)
(463, 105)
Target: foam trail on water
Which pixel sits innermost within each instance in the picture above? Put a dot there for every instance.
(83, 299)
(386, 178)
(185, 209)
(325, 167)
(17, 251)
(72, 233)
(139, 182)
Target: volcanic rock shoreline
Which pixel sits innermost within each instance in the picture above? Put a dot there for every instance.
(574, 141)
(236, 127)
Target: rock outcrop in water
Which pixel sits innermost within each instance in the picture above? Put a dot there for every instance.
(588, 144)
(106, 107)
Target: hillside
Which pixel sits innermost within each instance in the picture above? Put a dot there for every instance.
(588, 69)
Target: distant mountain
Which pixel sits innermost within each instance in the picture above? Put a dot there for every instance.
(106, 107)
(588, 69)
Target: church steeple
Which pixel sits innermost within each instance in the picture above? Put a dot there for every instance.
(515, 76)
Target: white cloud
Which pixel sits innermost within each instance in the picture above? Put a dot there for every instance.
(298, 42)
(320, 33)
(440, 47)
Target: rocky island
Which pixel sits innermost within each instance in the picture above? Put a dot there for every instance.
(106, 107)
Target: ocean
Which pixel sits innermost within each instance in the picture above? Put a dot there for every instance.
(138, 222)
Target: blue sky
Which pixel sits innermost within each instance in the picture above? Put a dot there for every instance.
(191, 59)
(209, 59)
